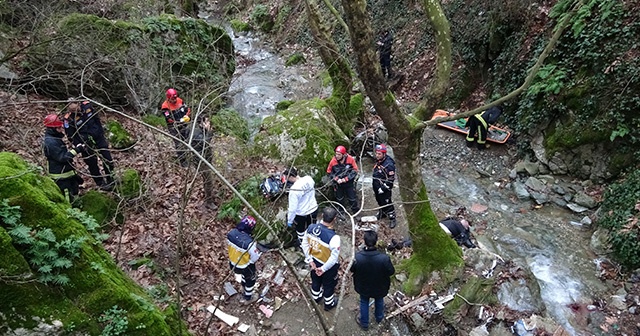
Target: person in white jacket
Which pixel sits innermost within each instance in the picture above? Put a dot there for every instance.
(303, 208)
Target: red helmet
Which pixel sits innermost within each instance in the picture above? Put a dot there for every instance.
(52, 120)
(381, 148)
(341, 150)
(172, 93)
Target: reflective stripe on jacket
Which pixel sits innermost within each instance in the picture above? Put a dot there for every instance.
(242, 249)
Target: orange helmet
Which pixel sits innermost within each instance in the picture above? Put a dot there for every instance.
(341, 150)
(172, 93)
(52, 120)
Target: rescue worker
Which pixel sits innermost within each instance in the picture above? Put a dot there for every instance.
(303, 207)
(243, 254)
(321, 247)
(385, 46)
(59, 159)
(384, 173)
(458, 230)
(82, 126)
(372, 271)
(479, 124)
(343, 171)
(177, 114)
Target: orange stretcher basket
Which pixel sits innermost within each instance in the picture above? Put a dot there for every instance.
(495, 134)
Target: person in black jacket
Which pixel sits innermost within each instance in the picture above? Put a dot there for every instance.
(385, 46)
(480, 123)
(82, 126)
(458, 230)
(384, 173)
(372, 271)
(59, 159)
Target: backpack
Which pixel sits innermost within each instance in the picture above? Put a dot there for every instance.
(272, 186)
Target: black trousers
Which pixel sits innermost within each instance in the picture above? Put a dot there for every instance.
(385, 64)
(69, 186)
(98, 147)
(301, 223)
(248, 278)
(476, 126)
(347, 189)
(325, 284)
(384, 200)
(181, 132)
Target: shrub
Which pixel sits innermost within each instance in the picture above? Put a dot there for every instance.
(118, 136)
(131, 186)
(261, 18)
(621, 212)
(230, 122)
(283, 105)
(239, 26)
(154, 120)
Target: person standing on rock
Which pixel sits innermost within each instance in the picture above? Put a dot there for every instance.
(458, 230)
(303, 207)
(343, 171)
(177, 115)
(372, 271)
(479, 124)
(59, 159)
(384, 173)
(321, 247)
(82, 126)
(243, 254)
(385, 46)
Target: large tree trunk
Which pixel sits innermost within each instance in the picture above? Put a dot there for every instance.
(337, 66)
(433, 249)
(438, 88)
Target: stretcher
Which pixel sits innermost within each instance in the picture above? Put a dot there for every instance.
(495, 134)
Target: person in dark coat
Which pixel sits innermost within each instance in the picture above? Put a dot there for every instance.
(82, 126)
(385, 46)
(372, 271)
(59, 159)
(384, 174)
(479, 124)
(458, 230)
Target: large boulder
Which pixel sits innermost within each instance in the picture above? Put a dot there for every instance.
(304, 135)
(89, 283)
(131, 62)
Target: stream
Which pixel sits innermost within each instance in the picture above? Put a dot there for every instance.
(541, 240)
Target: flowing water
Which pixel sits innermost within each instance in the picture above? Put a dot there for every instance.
(541, 240)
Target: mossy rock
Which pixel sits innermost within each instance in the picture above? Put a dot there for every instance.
(119, 137)
(230, 122)
(133, 57)
(261, 18)
(295, 58)
(249, 189)
(96, 282)
(239, 26)
(99, 206)
(283, 105)
(476, 290)
(131, 185)
(305, 135)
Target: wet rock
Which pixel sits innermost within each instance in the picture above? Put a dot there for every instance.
(479, 331)
(558, 201)
(500, 330)
(600, 242)
(576, 208)
(519, 167)
(547, 179)
(633, 310)
(520, 190)
(482, 172)
(517, 295)
(532, 168)
(567, 197)
(558, 190)
(618, 302)
(535, 184)
(401, 277)
(513, 174)
(586, 221)
(635, 277)
(584, 200)
(557, 165)
(418, 321)
(540, 197)
(479, 259)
